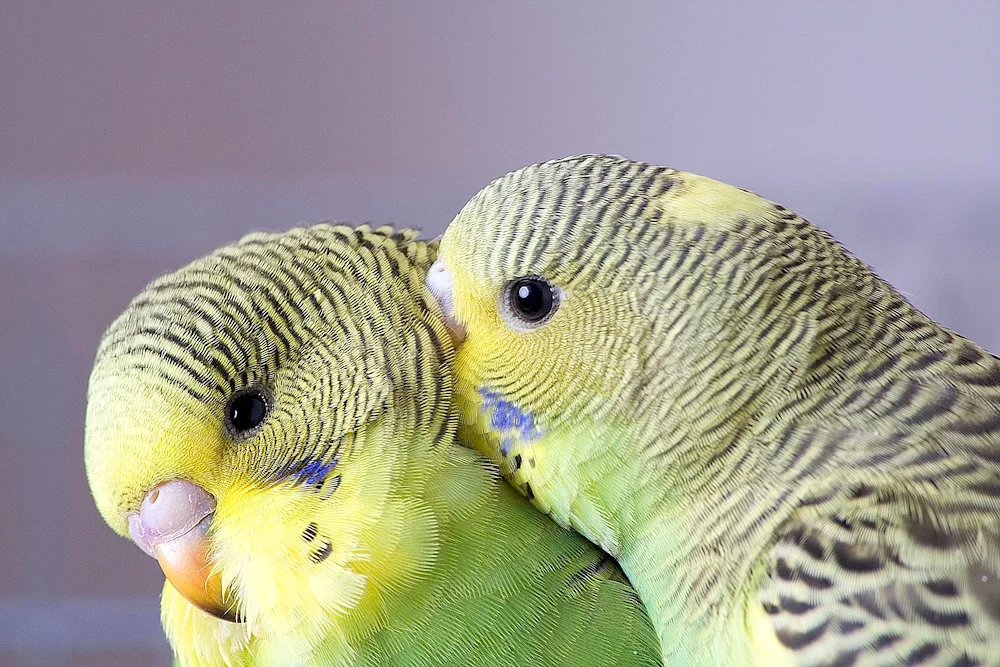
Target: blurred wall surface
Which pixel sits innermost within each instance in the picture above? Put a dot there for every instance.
(135, 136)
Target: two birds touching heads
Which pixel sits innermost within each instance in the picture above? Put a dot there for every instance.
(746, 448)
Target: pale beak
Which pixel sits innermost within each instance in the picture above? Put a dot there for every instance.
(172, 527)
(440, 284)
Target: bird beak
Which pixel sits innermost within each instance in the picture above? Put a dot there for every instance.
(172, 527)
(440, 284)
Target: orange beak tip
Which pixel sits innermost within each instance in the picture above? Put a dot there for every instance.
(184, 560)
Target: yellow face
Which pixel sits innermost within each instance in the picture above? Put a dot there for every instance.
(522, 343)
(258, 446)
(284, 492)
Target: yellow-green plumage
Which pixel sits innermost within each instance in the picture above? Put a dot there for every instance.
(350, 526)
(791, 463)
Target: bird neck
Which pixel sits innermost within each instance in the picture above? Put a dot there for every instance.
(651, 517)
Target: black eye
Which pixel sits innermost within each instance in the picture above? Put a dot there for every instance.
(531, 300)
(246, 411)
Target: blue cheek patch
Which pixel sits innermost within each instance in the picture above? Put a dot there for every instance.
(315, 472)
(508, 419)
(307, 472)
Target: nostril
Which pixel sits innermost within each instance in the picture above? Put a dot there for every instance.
(153, 496)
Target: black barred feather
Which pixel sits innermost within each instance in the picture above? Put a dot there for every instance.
(742, 412)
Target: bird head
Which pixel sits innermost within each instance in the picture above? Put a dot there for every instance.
(261, 420)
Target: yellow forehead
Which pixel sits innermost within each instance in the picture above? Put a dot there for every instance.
(139, 433)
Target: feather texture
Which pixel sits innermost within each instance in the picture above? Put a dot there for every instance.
(350, 527)
(792, 464)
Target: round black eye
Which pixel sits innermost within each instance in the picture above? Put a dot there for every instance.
(246, 411)
(531, 299)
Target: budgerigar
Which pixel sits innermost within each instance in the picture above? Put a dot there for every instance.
(792, 464)
(274, 424)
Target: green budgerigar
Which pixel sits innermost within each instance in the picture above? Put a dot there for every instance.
(792, 464)
(274, 424)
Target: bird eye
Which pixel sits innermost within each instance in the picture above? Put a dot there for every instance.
(530, 301)
(246, 411)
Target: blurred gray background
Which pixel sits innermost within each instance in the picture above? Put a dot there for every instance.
(135, 136)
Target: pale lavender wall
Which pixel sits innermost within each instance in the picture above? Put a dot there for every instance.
(136, 135)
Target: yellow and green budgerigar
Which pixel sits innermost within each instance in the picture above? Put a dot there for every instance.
(274, 424)
(792, 464)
